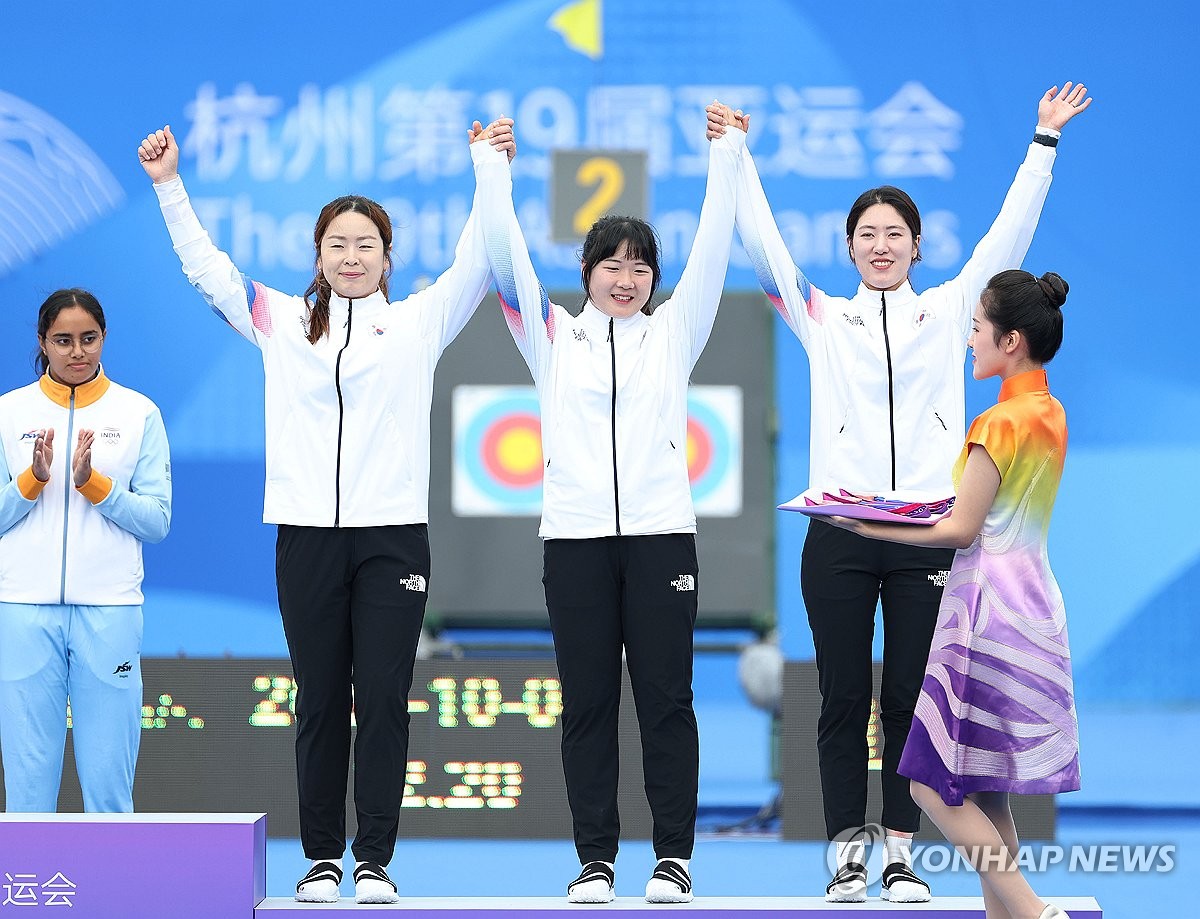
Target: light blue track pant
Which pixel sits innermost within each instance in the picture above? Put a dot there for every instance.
(91, 656)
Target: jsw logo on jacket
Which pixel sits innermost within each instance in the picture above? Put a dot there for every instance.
(81, 545)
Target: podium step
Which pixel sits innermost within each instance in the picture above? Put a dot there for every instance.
(135, 865)
(700, 908)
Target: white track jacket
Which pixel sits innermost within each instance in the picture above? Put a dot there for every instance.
(613, 392)
(65, 545)
(347, 419)
(887, 367)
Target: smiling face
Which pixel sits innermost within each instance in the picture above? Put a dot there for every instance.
(72, 346)
(882, 247)
(353, 256)
(620, 285)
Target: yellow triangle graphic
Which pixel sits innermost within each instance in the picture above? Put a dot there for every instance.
(579, 24)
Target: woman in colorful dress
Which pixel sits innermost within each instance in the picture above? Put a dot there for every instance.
(996, 713)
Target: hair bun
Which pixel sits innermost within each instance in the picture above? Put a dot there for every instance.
(1054, 287)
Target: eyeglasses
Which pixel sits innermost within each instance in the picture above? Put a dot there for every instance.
(88, 343)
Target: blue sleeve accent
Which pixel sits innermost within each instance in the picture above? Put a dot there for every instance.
(144, 507)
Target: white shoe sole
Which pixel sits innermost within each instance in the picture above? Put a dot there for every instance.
(325, 893)
(590, 892)
(378, 898)
(847, 893)
(906, 892)
(373, 891)
(665, 892)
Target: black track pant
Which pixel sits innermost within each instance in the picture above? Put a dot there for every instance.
(843, 576)
(352, 601)
(637, 593)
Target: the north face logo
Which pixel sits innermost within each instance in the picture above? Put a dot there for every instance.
(684, 582)
(414, 582)
(939, 579)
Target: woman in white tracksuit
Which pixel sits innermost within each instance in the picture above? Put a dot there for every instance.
(349, 383)
(85, 479)
(887, 419)
(618, 525)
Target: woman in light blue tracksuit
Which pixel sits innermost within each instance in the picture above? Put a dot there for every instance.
(85, 479)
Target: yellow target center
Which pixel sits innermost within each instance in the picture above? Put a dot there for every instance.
(520, 451)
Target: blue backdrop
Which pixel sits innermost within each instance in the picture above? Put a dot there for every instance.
(282, 106)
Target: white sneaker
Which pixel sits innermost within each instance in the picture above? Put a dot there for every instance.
(849, 885)
(320, 885)
(901, 885)
(594, 884)
(372, 885)
(670, 883)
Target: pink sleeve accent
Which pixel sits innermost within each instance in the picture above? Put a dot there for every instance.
(260, 310)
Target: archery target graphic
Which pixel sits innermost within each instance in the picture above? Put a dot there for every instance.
(497, 451)
(497, 469)
(714, 449)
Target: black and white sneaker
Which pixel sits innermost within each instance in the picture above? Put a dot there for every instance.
(901, 885)
(849, 885)
(320, 885)
(594, 884)
(670, 883)
(372, 885)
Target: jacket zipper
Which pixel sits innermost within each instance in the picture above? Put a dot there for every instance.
(68, 480)
(612, 347)
(337, 382)
(887, 346)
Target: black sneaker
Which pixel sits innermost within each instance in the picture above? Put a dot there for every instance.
(901, 885)
(670, 883)
(849, 885)
(320, 885)
(372, 885)
(594, 884)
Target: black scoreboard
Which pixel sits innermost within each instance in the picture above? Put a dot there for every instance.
(484, 762)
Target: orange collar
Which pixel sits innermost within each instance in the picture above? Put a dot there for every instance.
(1022, 383)
(85, 393)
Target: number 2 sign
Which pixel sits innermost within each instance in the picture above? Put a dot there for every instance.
(587, 184)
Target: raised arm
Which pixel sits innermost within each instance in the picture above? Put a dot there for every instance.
(1006, 242)
(242, 303)
(698, 293)
(452, 299)
(526, 308)
(794, 298)
(141, 506)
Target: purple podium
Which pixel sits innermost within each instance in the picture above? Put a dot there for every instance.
(133, 865)
(700, 908)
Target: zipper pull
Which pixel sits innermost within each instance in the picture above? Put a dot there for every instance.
(610, 329)
(882, 302)
(942, 423)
